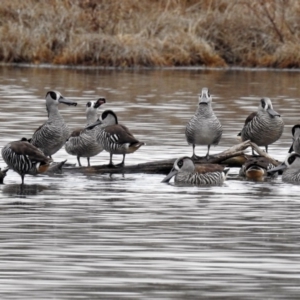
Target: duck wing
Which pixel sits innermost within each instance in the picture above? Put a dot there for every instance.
(27, 149)
(76, 132)
(208, 168)
(248, 120)
(120, 134)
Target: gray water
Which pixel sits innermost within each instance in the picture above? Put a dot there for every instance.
(95, 236)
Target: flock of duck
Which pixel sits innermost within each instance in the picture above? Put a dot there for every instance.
(263, 127)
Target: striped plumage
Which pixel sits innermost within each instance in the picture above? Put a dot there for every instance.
(186, 172)
(263, 127)
(290, 167)
(114, 137)
(52, 135)
(296, 139)
(204, 128)
(22, 157)
(83, 143)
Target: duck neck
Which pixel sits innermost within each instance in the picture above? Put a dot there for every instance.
(53, 113)
(91, 118)
(204, 110)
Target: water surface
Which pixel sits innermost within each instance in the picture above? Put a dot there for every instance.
(78, 236)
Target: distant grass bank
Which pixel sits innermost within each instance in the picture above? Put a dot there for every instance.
(129, 33)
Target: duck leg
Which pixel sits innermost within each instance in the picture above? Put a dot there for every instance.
(122, 163)
(111, 165)
(207, 154)
(22, 177)
(78, 159)
(194, 157)
(88, 161)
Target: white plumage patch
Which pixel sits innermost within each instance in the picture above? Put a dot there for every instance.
(114, 138)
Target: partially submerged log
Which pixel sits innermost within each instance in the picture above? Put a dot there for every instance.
(232, 157)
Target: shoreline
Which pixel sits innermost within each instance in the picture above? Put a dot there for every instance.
(142, 68)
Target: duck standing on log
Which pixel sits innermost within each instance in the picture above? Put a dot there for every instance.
(204, 128)
(114, 137)
(263, 127)
(82, 142)
(53, 134)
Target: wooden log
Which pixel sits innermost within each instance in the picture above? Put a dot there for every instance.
(232, 157)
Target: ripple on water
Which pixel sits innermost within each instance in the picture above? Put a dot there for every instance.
(130, 236)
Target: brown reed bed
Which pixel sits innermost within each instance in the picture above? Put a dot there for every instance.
(149, 33)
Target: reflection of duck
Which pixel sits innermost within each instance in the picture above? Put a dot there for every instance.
(263, 127)
(290, 167)
(83, 143)
(114, 137)
(26, 189)
(255, 168)
(22, 157)
(185, 171)
(296, 139)
(204, 128)
(52, 135)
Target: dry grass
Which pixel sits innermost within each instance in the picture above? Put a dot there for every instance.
(151, 32)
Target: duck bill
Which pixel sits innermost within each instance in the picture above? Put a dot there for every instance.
(278, 168)
(99, 102)
(172, 173)
(98, 122)
(273, 113)
(66, 101)
(204, 99)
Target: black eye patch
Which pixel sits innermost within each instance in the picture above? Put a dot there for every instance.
(89, 104)
(104, 115)
(263, 103)
(291, 159)
(52, 95)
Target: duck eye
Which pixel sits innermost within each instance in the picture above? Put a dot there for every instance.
(89, 104)
(180, 163)
(263, 103)
(291, 159)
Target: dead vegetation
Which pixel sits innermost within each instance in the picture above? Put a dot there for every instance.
(149, 33)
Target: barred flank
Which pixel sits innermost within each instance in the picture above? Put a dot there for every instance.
(204, 128)
(84, 145)
(213, 178)
(263, 130)
(19, 163)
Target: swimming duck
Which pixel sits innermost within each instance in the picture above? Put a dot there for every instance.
(296, 139)
(290, 167)
(256, 167)
(185, 171)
